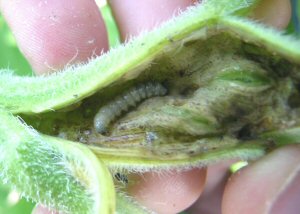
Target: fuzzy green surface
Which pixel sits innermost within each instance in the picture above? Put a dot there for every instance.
(284, 137)
(127, 205)
(38, 94)
(154, 163)
(266, 37)
(67, 176)
(10, 55)
(58, 174)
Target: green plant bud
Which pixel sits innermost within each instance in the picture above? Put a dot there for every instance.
(206, 86)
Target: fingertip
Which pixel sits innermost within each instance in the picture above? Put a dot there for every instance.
(276, 13)
(54, 33)
(168, 192)
(134, 17)
(257, 187)
(288, 200)
(211, 199)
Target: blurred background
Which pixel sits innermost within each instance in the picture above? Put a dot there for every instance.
(10, 57)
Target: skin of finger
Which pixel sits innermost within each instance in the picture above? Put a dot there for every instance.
(256, 188)
(152, 25)
(276, 13)
(284, 204)
(167, 191)
(134, 17)
(42, 210)
(52, 34)
(162, 192)
(211, 199)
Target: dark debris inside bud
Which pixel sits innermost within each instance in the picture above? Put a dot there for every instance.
(217, 87)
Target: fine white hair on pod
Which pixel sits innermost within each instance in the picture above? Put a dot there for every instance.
(122, 103)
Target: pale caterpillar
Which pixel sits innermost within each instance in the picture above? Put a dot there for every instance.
(131, 98)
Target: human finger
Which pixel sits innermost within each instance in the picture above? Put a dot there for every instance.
(52, 34)
(134, 17)
(270, 185)
(167, 192)
(211, 198)
(276, 13)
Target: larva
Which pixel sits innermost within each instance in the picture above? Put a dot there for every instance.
(131, 98)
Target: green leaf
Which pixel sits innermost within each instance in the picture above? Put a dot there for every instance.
(111, 26)
(127, 205)
(283, 137)
(248, 79)
(11, 57)
(11, 203)
(62, 175)
(178, 156)
(229, 80)
(38, 94)
(267, 38)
